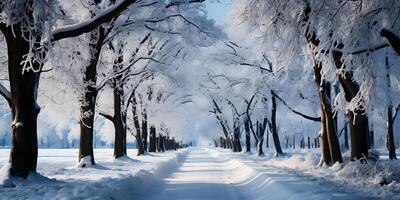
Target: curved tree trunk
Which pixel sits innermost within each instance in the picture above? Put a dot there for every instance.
(274, 130)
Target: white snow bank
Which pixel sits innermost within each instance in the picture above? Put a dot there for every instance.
(380, 178)
(294, 176)
(5, 179)
(59, 178)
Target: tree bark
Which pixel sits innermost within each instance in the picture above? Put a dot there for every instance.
(247, 130)
(153, 145)
(236, 136)
(390, 138)
(89, 100)
(119, 124)
(274, 130)
(325, 152)
(329, 133)
(138, 136)
(357, 119)
(24, 109)
(144, 129)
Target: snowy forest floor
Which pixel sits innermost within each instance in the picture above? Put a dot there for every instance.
(194, 173)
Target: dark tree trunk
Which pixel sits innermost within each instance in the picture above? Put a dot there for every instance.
(158, 144)
(144, 129)
(119, 119)
(162, 143)
(89, 101)
(153, 145)
(346, 136)
(119, 125)
(357, 119)
(358, 138)
(236, 136)
(274, 130)
(136, 123)
(24, 108)
(294, 141)
(390, 139)
(260, 133)
(247, 130)
(260, 150)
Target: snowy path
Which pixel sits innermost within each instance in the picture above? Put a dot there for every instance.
(207, 174)
(200, 176)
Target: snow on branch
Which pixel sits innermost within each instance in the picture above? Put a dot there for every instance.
(87, 26)
(177, 3)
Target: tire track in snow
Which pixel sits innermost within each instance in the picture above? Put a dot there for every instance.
(200, 176)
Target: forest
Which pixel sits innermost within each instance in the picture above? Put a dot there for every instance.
(199, 99)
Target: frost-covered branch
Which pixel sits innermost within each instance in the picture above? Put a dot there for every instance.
(87, 26)
(181, 2)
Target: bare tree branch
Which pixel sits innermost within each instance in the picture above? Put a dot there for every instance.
(107, 116)
(316, 119)
(89, 25)
(6, 94)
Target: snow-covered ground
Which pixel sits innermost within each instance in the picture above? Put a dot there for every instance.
(349, 180)
(194, 173)
(111, 179)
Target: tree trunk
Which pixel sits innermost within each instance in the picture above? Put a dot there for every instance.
(144, 129)
(89, 100)
(325, 152)
(24, 108)
(236, 136)
(138, 136)
(162, 143)
(152, 147)
(247, 130)
(390, 138)
(119, 124)
(346, 136)
(357, 119)
(274, 130)
(260, 149)
(333, 141)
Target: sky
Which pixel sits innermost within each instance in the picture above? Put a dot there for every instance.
(218, 10)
